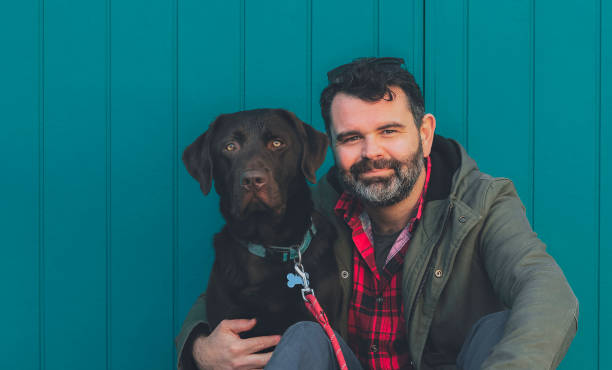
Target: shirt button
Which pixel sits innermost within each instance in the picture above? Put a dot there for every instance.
(374, 348)
(412, 364)
(438, 273)
(380, 300)
(344, 274)
(462, 219)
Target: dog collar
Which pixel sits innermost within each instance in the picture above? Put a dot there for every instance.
(285, 253)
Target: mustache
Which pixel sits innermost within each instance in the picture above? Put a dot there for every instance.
(377, 164)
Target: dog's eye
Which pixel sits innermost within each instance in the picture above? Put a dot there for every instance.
(276, 144)
(230, 147)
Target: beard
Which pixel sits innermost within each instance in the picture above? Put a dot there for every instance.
(383, 191)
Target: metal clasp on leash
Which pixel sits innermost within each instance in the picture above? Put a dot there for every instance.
(299, 269)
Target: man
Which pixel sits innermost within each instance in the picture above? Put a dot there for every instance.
(439, 266)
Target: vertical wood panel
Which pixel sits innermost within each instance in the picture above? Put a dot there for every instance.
(446, 27)
(341, 31)
(566, 155)
(19, 184)
(209, 84)
(276, 52)
(605, 189)
(401, 33)
(500, 91)
(142, 144)
(75, 184)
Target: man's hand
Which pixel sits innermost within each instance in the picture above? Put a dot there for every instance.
(224, 349)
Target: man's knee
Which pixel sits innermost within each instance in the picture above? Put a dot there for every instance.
(305, 329)
(297, 346)
(304, 325)
(494, 321)
(485, 334)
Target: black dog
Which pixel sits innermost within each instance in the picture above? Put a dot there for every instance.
(260, 160)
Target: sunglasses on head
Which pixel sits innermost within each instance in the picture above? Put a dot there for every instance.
(335, 75)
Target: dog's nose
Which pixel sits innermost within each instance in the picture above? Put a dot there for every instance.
(253, 180)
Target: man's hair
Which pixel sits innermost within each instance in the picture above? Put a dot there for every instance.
(370, 79)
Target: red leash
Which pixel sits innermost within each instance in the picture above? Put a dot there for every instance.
(315, 309)
(312, 304)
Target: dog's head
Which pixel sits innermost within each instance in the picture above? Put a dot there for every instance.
(257, 159)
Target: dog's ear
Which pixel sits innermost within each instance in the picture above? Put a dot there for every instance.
(198, 161)
(314, 147)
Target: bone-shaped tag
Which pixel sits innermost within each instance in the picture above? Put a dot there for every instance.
(294, 279)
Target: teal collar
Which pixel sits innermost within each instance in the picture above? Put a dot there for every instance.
(285, 253)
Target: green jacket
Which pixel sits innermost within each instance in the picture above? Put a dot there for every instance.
(473, 253)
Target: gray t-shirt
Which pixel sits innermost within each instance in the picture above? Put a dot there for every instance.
(382, 247)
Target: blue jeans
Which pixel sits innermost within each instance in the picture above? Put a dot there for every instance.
(305, 346)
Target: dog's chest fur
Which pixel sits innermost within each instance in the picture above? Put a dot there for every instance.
(252, 286)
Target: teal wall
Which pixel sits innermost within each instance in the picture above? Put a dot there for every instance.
(105, 239)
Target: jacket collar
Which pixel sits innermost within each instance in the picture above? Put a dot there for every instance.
(450, 165)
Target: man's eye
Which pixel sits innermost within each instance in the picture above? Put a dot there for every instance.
(230, 147)
(351, 138)
(276, 144)
(389, 132)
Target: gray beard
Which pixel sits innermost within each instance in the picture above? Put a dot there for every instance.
(384, 191)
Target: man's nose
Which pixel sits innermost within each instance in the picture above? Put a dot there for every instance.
(371, 148)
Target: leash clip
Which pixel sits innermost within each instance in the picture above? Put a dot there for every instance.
(299, 269)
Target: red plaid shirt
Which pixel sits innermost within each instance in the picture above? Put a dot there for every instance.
(376, 324)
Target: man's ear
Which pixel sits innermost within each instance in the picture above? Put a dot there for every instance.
(427, 132)
(314, 145)
(198, 161)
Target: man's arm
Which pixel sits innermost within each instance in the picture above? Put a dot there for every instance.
(544, 310)
(195, 325)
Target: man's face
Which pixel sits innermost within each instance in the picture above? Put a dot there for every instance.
(377, 147)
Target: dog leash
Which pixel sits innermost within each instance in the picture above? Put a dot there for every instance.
(312, 304)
